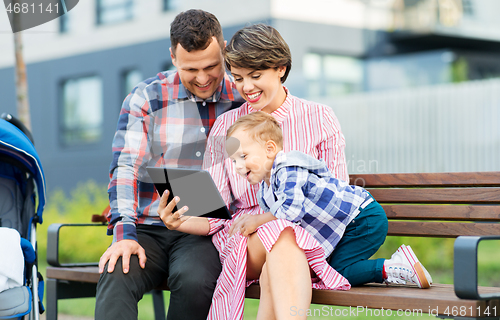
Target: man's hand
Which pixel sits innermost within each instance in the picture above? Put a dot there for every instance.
(124, 249)
(171, 220)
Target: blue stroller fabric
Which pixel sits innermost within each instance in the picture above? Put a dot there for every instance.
(15, 144)
(22, 200)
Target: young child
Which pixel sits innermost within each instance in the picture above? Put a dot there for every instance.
(299, 188)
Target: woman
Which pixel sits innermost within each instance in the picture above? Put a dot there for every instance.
(280, 254)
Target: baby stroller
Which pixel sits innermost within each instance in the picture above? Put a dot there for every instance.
(22, 200)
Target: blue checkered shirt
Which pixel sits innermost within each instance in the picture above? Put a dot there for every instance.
(306, 193)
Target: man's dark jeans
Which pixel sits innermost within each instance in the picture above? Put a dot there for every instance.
(191, 264)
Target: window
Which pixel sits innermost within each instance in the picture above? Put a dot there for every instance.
(130, 79)
(170, 5)
(468, 7)
(331, 75)
(82, 111)
(112, 11)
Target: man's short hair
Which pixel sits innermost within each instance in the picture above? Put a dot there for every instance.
(258, 47)
(194, 29)
(260, 126)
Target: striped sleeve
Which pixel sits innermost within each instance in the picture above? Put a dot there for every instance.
(332, 146)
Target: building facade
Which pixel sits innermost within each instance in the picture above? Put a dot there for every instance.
(82, 65)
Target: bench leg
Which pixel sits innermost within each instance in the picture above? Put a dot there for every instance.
(158, 304)
(51, 299)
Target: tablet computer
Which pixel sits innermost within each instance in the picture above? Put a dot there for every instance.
(195, 188)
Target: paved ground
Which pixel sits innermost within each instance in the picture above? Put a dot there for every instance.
(68, 317)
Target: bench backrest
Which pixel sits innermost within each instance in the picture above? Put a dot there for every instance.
(437, 204)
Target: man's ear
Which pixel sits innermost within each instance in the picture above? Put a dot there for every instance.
(225, 43)
(172, 57)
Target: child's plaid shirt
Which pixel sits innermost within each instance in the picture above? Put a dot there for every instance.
(306, 193)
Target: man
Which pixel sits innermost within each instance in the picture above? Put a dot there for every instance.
(164, 121)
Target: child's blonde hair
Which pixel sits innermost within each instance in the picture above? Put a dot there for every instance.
(260, 126)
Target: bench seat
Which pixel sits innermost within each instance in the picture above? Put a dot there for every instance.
(465, 206)
(439, 299)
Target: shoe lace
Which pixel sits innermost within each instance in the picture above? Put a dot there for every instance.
(400, 274)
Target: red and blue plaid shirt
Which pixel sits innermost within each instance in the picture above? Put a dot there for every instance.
(160, 124)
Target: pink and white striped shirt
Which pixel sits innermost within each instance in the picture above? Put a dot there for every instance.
(307, 126)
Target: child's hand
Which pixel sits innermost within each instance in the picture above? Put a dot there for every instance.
(171, 220)
(246, 224)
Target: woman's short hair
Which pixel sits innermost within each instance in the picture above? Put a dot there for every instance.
(258, 47)
(194, 30)
(261, 127)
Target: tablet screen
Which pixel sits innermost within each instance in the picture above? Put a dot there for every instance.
(195, 188)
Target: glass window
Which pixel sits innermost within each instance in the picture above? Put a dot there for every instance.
(170, 5)
(331, 75)
(411, 70)
(112, 11)
(82, 111)
(130, 79)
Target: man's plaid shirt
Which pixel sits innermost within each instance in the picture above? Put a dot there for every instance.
(160, 124)
(305, 192)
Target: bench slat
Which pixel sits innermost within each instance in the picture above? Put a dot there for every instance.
(439, 297)
(83, 274)
(442, 229)
(443, 212)
(449, 196)
(373, 296)
(454, 179)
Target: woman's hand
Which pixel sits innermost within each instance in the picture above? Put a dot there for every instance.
(171, 220)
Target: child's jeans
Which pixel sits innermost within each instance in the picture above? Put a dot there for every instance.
(362, 238)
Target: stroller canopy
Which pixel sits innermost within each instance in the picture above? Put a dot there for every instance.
(16, 145)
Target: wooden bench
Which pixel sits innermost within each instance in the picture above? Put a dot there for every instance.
(444, 205)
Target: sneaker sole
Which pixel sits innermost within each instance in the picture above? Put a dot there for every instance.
(424, 284)
(417, 267)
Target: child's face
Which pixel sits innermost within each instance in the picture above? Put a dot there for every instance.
(261, 88)
(252, 159)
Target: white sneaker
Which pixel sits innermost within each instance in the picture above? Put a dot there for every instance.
(404, 267)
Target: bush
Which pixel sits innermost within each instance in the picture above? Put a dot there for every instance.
(77, 244)
(433, 253)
